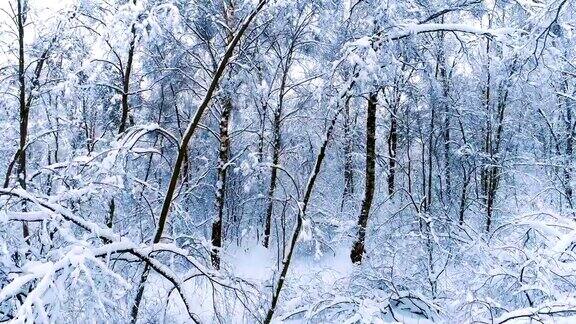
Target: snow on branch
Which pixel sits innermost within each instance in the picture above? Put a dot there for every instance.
(45, 271)
(30, 216)
(43, 276)
(407, 30)
(568, 307)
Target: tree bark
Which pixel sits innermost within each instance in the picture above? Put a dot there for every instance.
(273, 176)
(569, 149)
(126, 80)
(446, 127)
(466, 181)
(348, 161)
(223, 156)
(392, 147)
(486, 171)
(358, 248)
(494, 168)
(24, 108)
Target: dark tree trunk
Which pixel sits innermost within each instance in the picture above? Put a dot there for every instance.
(487, 170)
(358, 248)
(183, 148)
(223, 156)
(428, 200)
(569, 150)
(126, 81)
(488, 130)
(466, 181)
(348, 162)
(24, 109)
(446, 130)
(125, 107)
(273, 176)
(392, 147)
(443, 78)
(494, 168)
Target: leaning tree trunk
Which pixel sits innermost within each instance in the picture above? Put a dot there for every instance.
(299, 220)
(358, 247)
(183, 148)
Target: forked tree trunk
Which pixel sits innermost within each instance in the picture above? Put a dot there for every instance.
(358, 248)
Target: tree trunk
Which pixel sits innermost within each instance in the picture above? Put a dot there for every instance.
(494, 169)
(24, 108)
(358, 248)
(126, 81)
(277, 146)
(466, 181)
(223, 156)
(569, 150)
(428, 194)
(392, 146)
(443, 78)
(485, 176)
(183, 148)
(446, 126)
(273, 176)
(299, 220)
(348, 162)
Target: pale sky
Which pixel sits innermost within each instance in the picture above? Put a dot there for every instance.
(46, 6)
